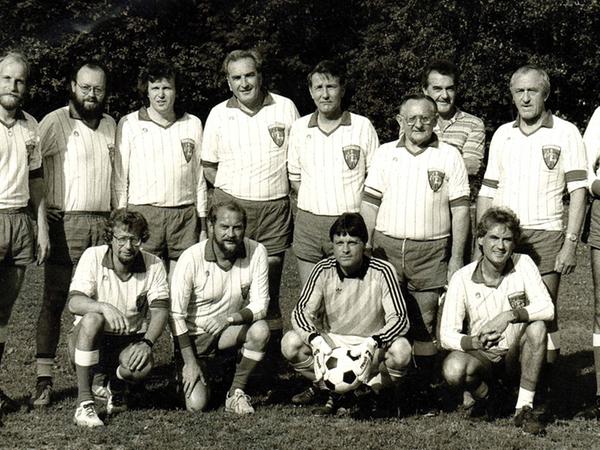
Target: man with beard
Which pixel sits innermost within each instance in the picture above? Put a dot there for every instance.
(114, 287)
(159, 172)
(220, 296)
(21, 181)
(77, 144)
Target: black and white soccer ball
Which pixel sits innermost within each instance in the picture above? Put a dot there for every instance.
(342, 369)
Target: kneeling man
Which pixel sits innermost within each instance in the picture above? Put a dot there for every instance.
(504, 302)
(113, 288)
(354, 301)
(220, 296)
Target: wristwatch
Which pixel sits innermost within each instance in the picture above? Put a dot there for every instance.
(571, 237)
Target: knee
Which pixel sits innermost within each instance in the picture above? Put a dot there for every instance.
(399, 354)
(454, 369)
(92, 323)
(198, 400)
(258, 334)
(291, 345)
(536, 333)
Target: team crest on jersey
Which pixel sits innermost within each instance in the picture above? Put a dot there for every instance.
(188, 146)
(518, 300)
(551, 153)
(277, 132)
(141, 303)
(111, 152)
(245, 291)
(30, 146)
(351, 155)
(436, 179)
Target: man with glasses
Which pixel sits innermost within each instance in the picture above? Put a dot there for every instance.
(114, 287)
(77, 143)
(20, 183)
(416, 200)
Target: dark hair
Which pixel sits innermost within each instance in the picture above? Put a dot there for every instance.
(236, 55)
(156, 71)
(92, 65)
(351, 224)
(418, 96)
(133, 221)
(443, 67)
(229, 205)
(331, 68)
(499, 216)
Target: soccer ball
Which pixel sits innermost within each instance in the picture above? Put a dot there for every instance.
(341, 371)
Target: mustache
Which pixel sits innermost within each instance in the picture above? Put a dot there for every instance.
(11, 94)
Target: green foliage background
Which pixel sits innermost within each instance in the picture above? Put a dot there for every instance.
(384, 43)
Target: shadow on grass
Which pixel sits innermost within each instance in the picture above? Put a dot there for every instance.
(574, 384)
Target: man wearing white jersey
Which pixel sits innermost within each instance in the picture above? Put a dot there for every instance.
(504, 302)
(20, 181)
(244, 154)
(114, 288)
(531, 161)
(77, 143)
(417, 200)
(355, 301)
(160, 173)
(329, 155)
(219, 300)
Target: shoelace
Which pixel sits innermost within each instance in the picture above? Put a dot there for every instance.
(89, 410)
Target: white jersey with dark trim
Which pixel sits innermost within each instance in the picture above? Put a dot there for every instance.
(370, 304)
(19, 155)
(415, 192)
(528, 172)
(331, 167)
(78, 161)
(250, 151)
(158, 165)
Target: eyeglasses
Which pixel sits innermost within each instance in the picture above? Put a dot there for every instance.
(123, 240)
(425, 120)
(87, 89)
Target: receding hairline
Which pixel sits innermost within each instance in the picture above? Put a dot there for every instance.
(524, 70)
(432, 106)
(16, 58)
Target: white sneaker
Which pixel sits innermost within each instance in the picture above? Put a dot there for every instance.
(238, 403)
(101, 393)
(86, 416)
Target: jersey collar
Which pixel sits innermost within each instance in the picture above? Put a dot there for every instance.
(138, 265)
(477, 276)
(345, 121)
(210, 255)
(144, 116)
(433, 142)
(361, 272)
(19, 115)
(233, 102)
(74, 114)
(547, 122)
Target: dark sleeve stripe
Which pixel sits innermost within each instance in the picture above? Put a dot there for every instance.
(209, 164)
(36, 173)
(397, 300)
(370, 198)
(575, 175)
(184, 340)
(490, 183)
(460, 201)
(160, 303)
(298, 314)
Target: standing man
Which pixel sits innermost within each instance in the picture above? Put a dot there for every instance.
(531, 162)
(113, 289)
(77, 143)
(244, 154)
(417, 200)
(354, 301)
(21, 180)
(330, 154)
(220, 297)
(160, 173)
(505, 303)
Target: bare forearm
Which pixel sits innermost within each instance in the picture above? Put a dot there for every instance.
(158, 320)
(576, 210)
(460, 230)
(81, 304)
(483, 204)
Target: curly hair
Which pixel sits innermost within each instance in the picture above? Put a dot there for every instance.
(499, 216)
(132, 221)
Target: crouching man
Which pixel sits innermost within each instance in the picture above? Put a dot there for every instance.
(112, 290)
(220, 296)
(504, 302)
(354, 301)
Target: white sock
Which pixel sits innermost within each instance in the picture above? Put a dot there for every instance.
(525, 398)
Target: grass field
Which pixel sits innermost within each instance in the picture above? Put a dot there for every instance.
(156, 423)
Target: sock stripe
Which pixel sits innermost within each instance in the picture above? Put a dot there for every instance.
(307, 364)
(86, 358)
(253, 354)
(596, 339)
(553, 341)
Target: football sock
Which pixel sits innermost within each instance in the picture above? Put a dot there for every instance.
(596, 343)
(44, 367)
(553, 347)
(83, 361)
(306, 367)
(525, 398)
(426, 365)
(248, 362)
(480, 392)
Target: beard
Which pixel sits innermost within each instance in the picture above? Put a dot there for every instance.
(10, 102)
(228, 252)
(88, 110)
